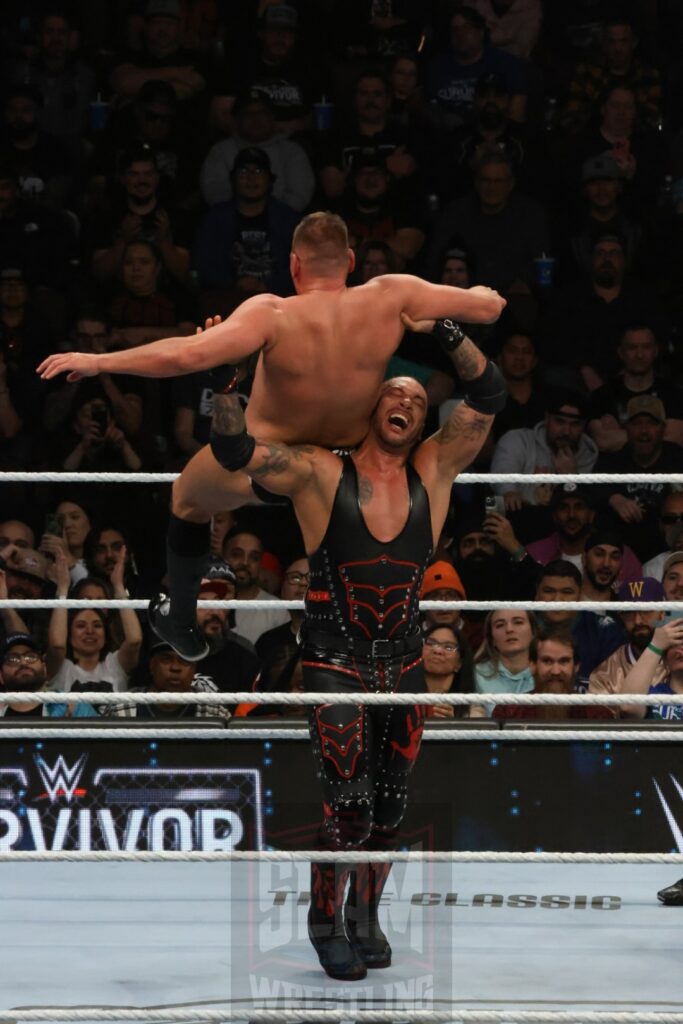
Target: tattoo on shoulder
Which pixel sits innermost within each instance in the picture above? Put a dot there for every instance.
(464, 424)
(364, 490)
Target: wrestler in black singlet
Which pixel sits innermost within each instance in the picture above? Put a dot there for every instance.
(362, 634)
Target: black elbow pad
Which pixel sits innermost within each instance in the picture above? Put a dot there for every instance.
(232, 451)
(487, 393)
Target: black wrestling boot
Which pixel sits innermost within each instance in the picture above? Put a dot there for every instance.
(174, 617)
(672, 896)
(362, 924)
(337, 956)
(189, 643)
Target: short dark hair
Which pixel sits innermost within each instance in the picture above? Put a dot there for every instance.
(560, 635)
(563, 569)
(138, 153)
(372, 73)
(234, 531)
(638, 325)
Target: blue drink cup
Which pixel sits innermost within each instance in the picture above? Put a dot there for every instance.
(322, 112)
(99, 111)
(544, 271)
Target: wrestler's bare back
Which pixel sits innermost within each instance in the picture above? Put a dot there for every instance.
(324, 351)
(318, 378)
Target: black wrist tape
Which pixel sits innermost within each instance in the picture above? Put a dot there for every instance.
(224, 379)
(232, 451)
(449, 334)
(487, 393)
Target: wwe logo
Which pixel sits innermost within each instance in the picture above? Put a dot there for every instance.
(60, 781)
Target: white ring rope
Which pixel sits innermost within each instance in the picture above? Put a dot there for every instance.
(394, 1016)
(512, 733)
(346, 856)
(441, 606)
(276, 697)
(463, 478)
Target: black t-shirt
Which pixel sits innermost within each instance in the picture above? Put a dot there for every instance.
(613, 397)
(251, 254)
(12, 712)
(274, 648)
(516, 415)
(648, 494)
(393, 213)
(292, 86)
(343, 144)
(195, 392)
(232, 669)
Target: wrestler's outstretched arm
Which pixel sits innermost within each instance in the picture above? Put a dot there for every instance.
(422, 300)
(452, 448)
(231, 341)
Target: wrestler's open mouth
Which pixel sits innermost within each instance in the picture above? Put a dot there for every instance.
(397, 419)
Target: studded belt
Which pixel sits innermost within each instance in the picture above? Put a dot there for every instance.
(380, 650)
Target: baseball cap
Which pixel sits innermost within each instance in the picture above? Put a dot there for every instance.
(272, 563)
(441, 576)
(586, 494)
(609, 236)
(163, 8)
(11, 274)
(644, 588)
(252, 156)
(216, 581)
(282, 16)
(674, 559)
(472, 15)
(160, 647)
(558, 398)
(602, 166)
(368, 156)
(603, 536)
(27, 562)
(646, 405)
(250, 97)
(15, 639)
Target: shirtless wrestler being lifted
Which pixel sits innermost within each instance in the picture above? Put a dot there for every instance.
(324, 352)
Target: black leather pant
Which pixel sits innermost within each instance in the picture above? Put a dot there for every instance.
(363, 754)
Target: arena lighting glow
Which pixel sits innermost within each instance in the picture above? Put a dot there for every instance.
(128, 808)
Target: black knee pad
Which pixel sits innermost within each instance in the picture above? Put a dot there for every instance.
(232, 451)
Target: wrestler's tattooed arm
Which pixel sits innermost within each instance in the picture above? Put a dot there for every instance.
(274, 458)
(280, 467)
(464, 424)
(228, 415)
(468, 361)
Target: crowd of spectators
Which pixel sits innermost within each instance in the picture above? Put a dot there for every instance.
(155, 159)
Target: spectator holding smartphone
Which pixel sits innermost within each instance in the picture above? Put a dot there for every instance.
(64, 534)
(95, 442)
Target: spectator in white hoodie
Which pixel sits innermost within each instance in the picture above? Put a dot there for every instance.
(558, 444)
(292, 174)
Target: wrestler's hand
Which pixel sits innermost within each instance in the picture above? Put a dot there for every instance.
(76, 364)
(417, 326)
(211, 321)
